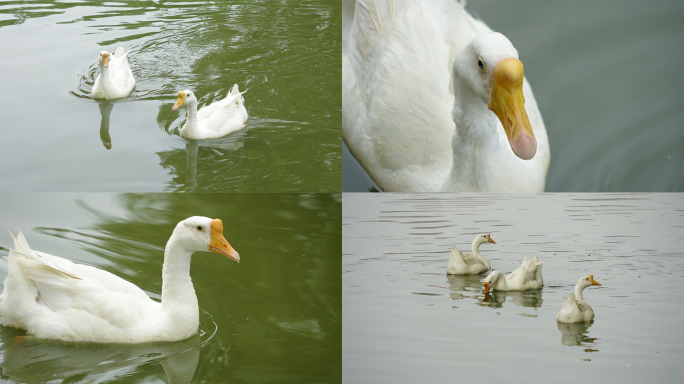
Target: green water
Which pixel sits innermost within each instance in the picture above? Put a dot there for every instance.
(54, 137)
(275, 317)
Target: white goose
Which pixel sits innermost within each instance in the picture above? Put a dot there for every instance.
(575, 309)
(215, 120)
(115, 79)
(469, 263)
(527, 276)
(433, 101)
(54, 298)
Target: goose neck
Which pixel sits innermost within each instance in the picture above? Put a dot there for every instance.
(474, 141)
(578, 291)
(192, 112)
(476, 253)
(475, 123)
(177, 288)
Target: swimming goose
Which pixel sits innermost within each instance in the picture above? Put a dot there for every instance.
(215, 120)
(575, 309)
(115, 79)
(527, 276)
(54, 298)
(432, 100)
(469, 263)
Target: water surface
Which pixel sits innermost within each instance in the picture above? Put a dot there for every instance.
(54, 137)
(405, 320)
(274, 317)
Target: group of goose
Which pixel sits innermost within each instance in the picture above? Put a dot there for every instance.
(527, 276)
(218, 119)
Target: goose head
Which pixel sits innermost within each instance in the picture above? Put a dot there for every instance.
(199, 233)
(490, 66)
(484, 238)
(586, 281)
(491, 280)
(185, 97)
(104, 59)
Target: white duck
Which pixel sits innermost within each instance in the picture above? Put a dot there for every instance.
(54, 298)
(575, 309)
(469, 263)
(116, 78)
(423, 83)
(527, 276)
(215, 120)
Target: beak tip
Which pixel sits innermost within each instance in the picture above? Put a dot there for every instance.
(527, 151)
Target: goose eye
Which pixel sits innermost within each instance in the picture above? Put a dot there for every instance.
(481, 65)
(200, 228)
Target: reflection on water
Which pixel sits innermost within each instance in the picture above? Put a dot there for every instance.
(495, 299)
(105, 112)
(575, 334)
(30, 359)
(465, 286)
(287, 54)
(394, 246)
(213, 151)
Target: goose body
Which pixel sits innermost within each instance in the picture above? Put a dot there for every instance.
(469, 263)
(215, 120)
(575, 309)
(432, 100)
(115, 79)
(54, 298)
(527, 276)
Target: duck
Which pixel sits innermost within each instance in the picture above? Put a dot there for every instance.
(433, 100)
(527, 276)
(215, 120)
(115, 79)
(54, 298)
(575, 309)
(469, 263)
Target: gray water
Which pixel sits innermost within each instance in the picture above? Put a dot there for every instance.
(406, 321)
(608, 78)
(54, 137)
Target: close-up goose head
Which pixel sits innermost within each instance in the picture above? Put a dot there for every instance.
(104, 59)
(489, 65)
(184, 97)
(204, 234)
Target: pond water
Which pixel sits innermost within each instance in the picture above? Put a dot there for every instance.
(275, 317)
(54, 137)
(608, 79)
(406, 321)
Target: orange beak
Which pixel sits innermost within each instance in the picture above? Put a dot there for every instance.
(105, 59)
(219, 244)
(508, 103)
(486, 287)
(181, 100)
(489, 240)
(593, 282)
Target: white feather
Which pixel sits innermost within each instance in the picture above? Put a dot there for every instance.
(398, 98)
(54, 298)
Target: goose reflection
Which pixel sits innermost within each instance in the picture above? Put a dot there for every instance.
(105, 111)
(495, 299)
(459, 284)
(189, 179)
(576, 334)
(29, 359)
